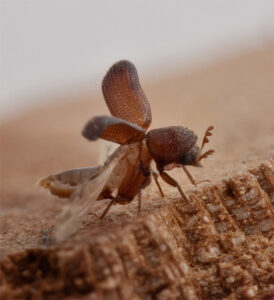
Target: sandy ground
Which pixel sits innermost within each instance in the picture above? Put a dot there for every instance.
(235, 95)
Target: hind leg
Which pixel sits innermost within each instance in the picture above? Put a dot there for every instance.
(119, 199)
(107, 209)
(143, 185)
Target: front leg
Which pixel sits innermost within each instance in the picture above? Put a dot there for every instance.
(155, 177)
(168, 179)
(192, 180)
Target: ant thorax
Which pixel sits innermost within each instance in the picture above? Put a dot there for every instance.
(168, 145)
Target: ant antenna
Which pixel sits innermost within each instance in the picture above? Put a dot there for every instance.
(206, 154)
(206, 140)
(207, 133)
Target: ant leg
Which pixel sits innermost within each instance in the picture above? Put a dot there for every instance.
(139, 201)
(143, 185)
(192, 180)
(107, 209)
(174, 183)
(155, 177)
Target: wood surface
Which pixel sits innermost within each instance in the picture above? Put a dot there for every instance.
(219, 246)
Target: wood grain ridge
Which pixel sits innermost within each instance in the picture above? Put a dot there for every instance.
(219, 246)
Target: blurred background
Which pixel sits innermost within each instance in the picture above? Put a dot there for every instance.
(50, 47)
(200, 63)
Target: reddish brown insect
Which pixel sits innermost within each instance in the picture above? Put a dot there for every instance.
(128, 170)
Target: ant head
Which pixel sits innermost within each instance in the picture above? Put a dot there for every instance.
(176, 144)
(194, 156)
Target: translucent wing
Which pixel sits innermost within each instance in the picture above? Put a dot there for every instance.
(65, 183)
(106, 149)
(124, 95)
(113, 129)
(85, 196)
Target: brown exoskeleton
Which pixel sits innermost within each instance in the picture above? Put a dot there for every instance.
(128, 170)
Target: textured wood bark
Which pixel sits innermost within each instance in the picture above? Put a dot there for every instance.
(218, 246)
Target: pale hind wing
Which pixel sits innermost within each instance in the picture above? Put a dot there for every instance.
(64, 184)
(106, 149)
(83, 199)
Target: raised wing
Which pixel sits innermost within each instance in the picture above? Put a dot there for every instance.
(113, 129)
(65, 183)
(85, 196)
(124, 95)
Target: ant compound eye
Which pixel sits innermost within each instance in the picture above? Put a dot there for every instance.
(187, 159)
(191, 157)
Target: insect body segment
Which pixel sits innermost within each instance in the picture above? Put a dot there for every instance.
(128, 170)
(170, 144)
